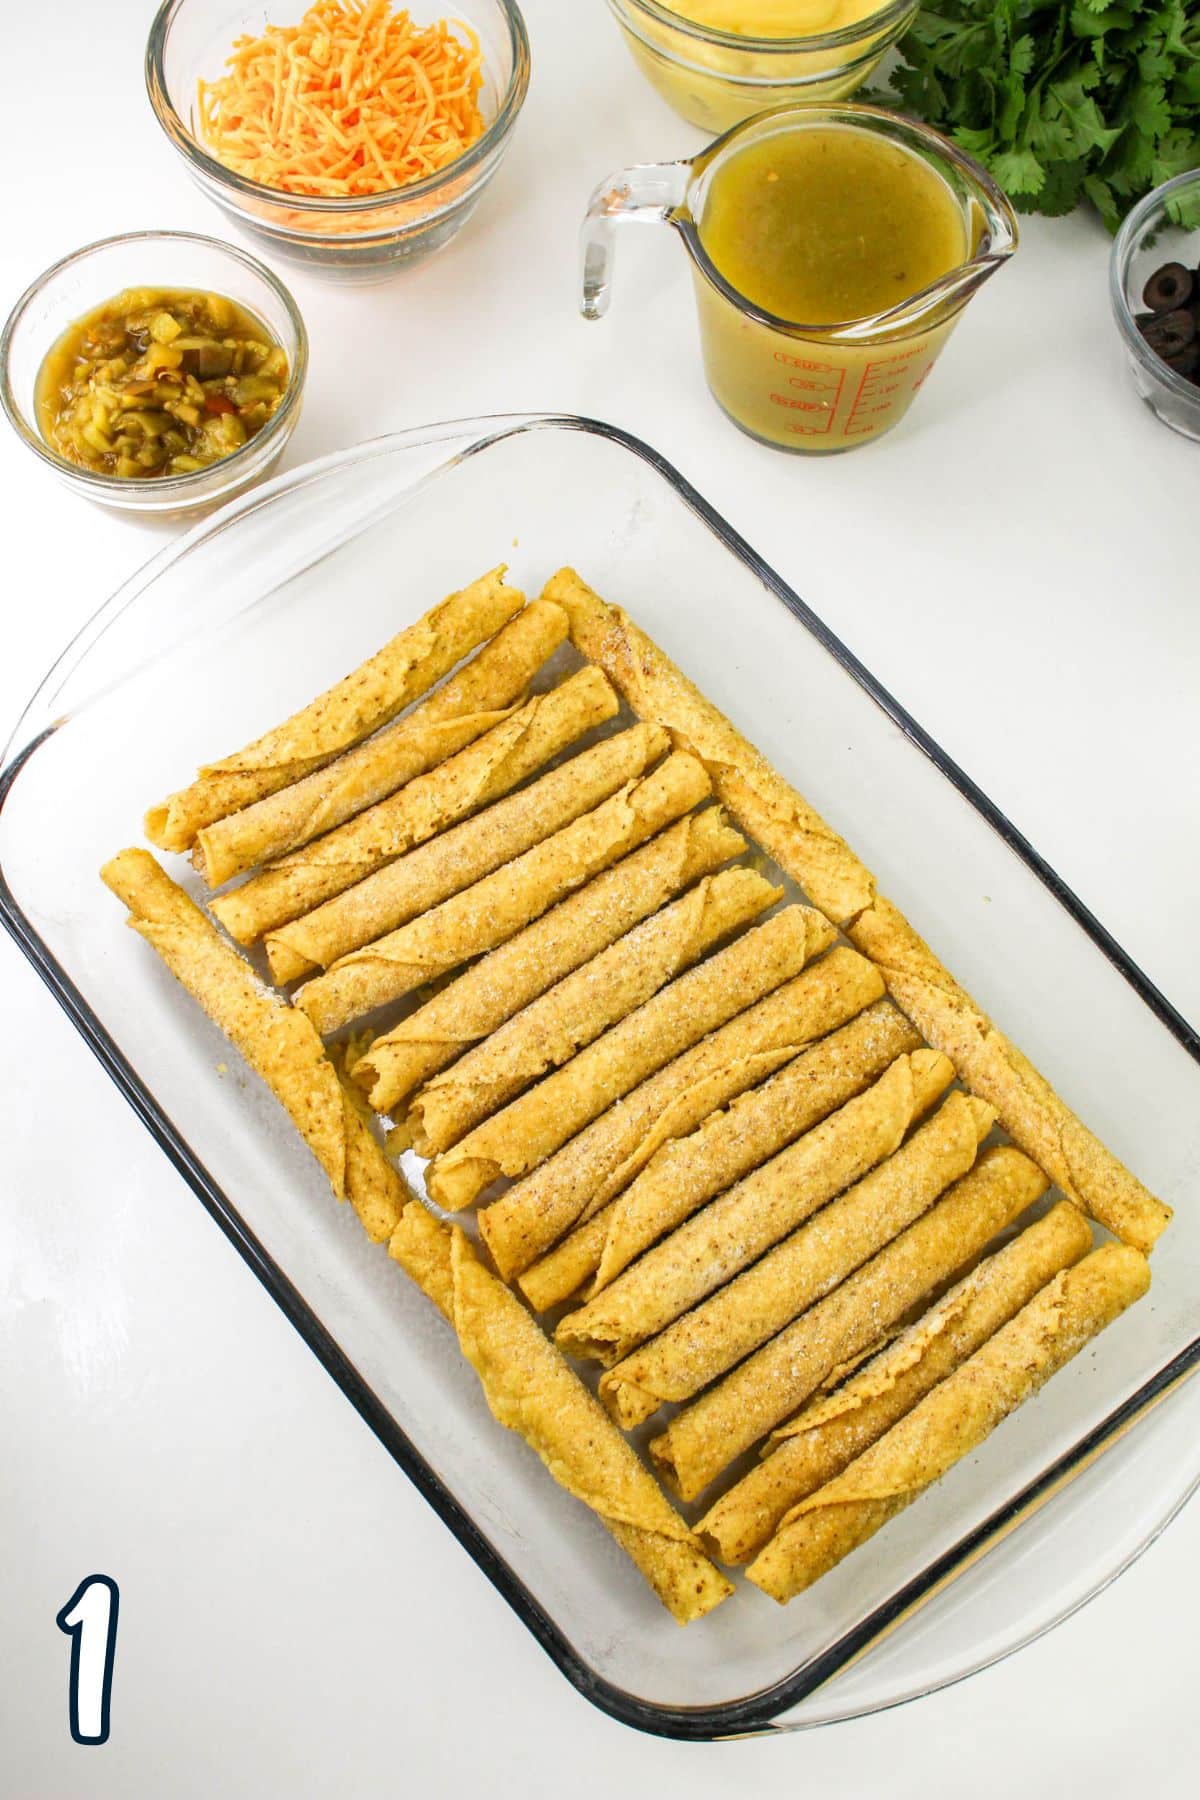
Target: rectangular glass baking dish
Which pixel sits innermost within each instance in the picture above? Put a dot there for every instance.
(259, 607)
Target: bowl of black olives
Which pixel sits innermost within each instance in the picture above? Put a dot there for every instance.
(1155, 285)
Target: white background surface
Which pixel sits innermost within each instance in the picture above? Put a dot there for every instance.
(1018, 563)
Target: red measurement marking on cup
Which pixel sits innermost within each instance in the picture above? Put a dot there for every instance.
(883, 380)
(817, 389)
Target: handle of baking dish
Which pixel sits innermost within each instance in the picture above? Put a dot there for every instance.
(204, 579)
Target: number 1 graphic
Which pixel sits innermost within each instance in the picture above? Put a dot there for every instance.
(90, 1620)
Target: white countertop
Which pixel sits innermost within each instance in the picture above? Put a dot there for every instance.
(1018, 563)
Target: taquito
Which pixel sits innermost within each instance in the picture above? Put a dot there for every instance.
(466, 706)
(687, 1171)
(1028, 1107)
(532, 1391)
(759, 1212)
(540, 1121)
(357, 705)
(952, 1421)
(799, 1271)
(834, 879)
(604, 1158)
(832, 1430)
(412, 884)
(767, 808)
(498, 986)
(494, 909)
(579, 1008)
(278, 1043)
(485, 770)
(715, 1429)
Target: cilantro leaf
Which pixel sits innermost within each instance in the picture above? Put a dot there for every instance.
(1063, 100)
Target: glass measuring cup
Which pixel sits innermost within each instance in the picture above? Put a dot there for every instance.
(807, 388)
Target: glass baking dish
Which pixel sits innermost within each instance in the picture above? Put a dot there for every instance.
(251, 613)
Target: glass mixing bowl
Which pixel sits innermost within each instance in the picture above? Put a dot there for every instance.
(168, 259)
(1155, 233)
(374, 233)
(716, 79)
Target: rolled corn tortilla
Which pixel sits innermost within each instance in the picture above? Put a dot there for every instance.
(579, 1008)
(414, 883)
(476, 1003)
(537, 1124)
(495, 909)
(350, 710)
(767, 808)
(1028, 1107)
(532, 1391)
(603, 1159)
(278, 1043)
(736, 1319)
(688, 1171)
(834, 879)
(832, 1430)
(714, 1430)
(952, 1421)
(485, 770)
(470, 703)
(760, 1211)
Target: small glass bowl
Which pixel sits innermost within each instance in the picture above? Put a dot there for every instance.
(375, 233)
(167, 259)
(715, 79)
(1149, 237)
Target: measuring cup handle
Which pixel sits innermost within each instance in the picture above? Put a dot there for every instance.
(648, 192)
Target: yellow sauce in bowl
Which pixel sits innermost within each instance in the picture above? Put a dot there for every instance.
(787, 56)
(775, 18)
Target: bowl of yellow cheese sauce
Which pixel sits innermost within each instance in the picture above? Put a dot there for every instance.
(719, 61)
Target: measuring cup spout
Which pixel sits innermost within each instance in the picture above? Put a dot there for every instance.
(651, 193)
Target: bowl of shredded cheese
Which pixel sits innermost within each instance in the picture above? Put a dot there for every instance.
(358, 134)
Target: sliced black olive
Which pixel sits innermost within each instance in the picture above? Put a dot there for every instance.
(1169, 287)
(1186, 362)
(1169, 333)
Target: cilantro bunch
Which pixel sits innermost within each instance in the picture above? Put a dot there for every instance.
(1098, 99)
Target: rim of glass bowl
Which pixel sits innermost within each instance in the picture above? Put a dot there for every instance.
(764, 46)
(179, 485)
(320, 206)
(1118, 264)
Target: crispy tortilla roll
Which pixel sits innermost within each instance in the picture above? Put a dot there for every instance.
(357, 705)
(537, 1124)
(715, 1429)
(447, 864)
(498, 986)
(688, 1171)
(1027, 1106)
(574, 1013)
(832, 1430)
(760, 800)
(278, 1043)
(532, 1391)
(762, 1209)
(734, 1321)
(604, 1158)
(471, 702)
(494, 909)
(484, 771)
(952, 1421)
(834, 879)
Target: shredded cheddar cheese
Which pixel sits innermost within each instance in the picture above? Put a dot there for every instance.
(354, 100)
